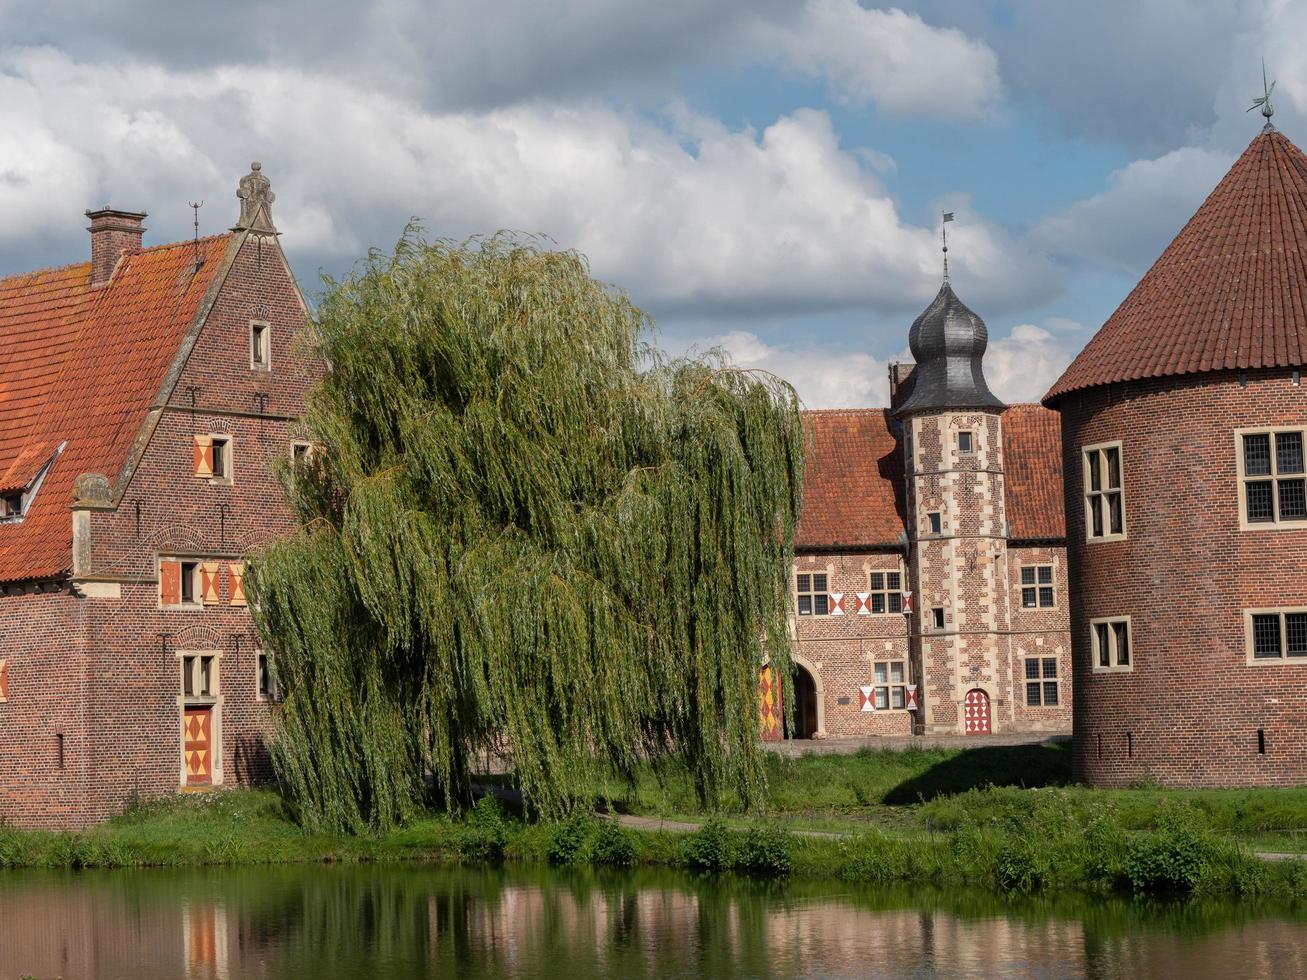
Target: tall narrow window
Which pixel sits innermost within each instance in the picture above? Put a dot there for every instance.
(966, 443)
(1272, 477)
(260, 358)
(886, 592)
(267, 680)
(1104, 492)
(221, 458)
(890, 690)
(936, 522)
(812, 596)
(189, 593)
(1110, 643)
(937, 617)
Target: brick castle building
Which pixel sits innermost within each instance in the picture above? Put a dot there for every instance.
(1183, 422)
(146, 396)
(930, 580)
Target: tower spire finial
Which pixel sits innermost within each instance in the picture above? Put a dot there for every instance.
(943, 237)
(1264, 103)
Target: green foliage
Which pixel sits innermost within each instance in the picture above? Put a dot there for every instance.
(1172, 858)
(710, 849)
(765, 851)
(485, 838)
(525, 526)
(613, 846)
(567, 838)
(1022, 866)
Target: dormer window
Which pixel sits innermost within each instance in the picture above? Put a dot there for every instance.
(11, 505)
(260, 346)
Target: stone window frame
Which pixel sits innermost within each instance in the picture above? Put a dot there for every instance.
(272, 693)
(266, 328)
(1284, 656)
(1114, 666)
(872, 591)
(296, 445)
(1038, 586)
(205, 440)
(938, 619)
(1042, 679)
(1274, 477)
(889, 685)
(1092, 498)
(196, 603)
(815, 596)
(933, 518)
(213, 700)
(972, 440)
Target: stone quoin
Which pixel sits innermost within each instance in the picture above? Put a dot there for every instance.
(146, 396)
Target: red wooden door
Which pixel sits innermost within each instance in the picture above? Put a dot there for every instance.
(197, 748)
(975, 713)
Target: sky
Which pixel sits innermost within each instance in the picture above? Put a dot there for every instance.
(761, 176)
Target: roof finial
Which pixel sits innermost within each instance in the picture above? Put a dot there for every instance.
(256, 197)
(943, 237)
(1265, 101)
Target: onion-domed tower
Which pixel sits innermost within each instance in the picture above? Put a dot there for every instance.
(957, 525)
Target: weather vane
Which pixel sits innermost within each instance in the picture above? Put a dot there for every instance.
(1265, 101)
(943, 237)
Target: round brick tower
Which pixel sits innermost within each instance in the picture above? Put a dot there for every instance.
(1183, 429)
(953, 450)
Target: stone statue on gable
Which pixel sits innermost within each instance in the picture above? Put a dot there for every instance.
(256, 197)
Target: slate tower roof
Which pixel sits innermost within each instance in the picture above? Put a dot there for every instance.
(1229, 292)
(948, 343)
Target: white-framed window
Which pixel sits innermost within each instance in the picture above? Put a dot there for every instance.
(890, 689)
(1104, 488)
(966, 442)
(937, 617)
(1037, 587)
(199, 675)
(1041, 682)
(260, 345)
(810, 589)
(936, 520)
(300, 451)
(265, 680)
(1275, 634)
(1110, 646)
(1272, 480)
(886, 592)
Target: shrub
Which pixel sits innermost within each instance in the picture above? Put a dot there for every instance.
(765, 851)
(613, 846)
(486, 836)
(567, 839)
(1172, 858)
(1019, 866)
(710, 848)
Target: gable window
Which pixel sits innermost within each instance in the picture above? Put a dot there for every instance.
(1272, 481)
(1104, 493)
(180, 586)
(260, 349)
(966, 442)
(890, 687)
(267, 689)
(937, 617)
(1037, 587)
(189, 571)
(1275, 634)
(886, 593)
(1041, 682)
(936, 521)
(812, 595)
(213, 458)
(199, 675)
(1110, 643)
(300, 452)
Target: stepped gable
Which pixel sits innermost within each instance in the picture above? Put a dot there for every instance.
(80, 366)
(854, 489)
(1229, 292)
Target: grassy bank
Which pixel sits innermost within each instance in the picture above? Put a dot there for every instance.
(918, 817)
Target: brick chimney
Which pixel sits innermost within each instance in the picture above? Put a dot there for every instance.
(113, 235)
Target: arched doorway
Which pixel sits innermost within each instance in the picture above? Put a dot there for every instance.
(975, 713)
(806, 720)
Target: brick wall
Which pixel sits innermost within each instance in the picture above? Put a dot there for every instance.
(111, 658)
(1188, 712)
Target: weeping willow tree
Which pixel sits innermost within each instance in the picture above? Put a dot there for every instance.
(524, 528)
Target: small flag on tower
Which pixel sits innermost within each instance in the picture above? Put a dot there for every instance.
(948, 215)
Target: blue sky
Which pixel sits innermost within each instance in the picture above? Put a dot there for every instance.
(764, 176)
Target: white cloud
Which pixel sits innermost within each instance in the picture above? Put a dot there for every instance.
(687, 216)
(1145, 205)
(889, 58)
(1023, 365)
(823, 378)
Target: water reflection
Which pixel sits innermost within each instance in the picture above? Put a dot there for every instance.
(406, 921)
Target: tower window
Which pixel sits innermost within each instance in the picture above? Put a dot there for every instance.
(1110, 644)
(1275, 634)
(1104, 493)
(966, 442)
(937, 617)
(1272, 481)
(936, 522)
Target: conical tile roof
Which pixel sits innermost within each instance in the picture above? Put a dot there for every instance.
(1229, 292)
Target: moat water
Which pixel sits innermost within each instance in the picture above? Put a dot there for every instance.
(325, 923)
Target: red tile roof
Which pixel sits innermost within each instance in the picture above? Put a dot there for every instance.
(1230, 291)
(82, 366)
(854, 491)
